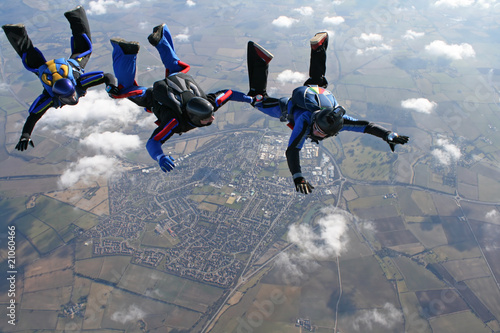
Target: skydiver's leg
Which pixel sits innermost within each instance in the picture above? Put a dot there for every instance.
(317, 65)
(162, 40)
(258, 59)
(20, 41)
(81, 42)
(124, 66)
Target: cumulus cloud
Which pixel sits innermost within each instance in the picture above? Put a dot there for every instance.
(446, 153)
(387, 317)
(88, 169)
(112, 143)
(305, 11)
(410, 34)
(370, 38)
(493, 216)
(454, 3)
(190, 3)
(133, 313)
(422, 105)
(334, 20)
(284, 22)
(100, 7)
(183, 37)
(95, 112)
(287, 76)
(326, 241)
(453, 51)
(4, 87)
(370, 43)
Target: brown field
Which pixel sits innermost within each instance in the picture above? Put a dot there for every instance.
(49, 299)
(89, 267)
(389, 224)
(429, 234)
(207, 206)
(97, 298)
(460, 322)
(61, 258)
(33, 320)
(394, 238)
(54, 279)
(466, 269)
(440, 302)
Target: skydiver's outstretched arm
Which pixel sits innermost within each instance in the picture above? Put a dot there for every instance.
(18, 37)
(364, 126)
(81, 41)
(160, 136)
(317, 62)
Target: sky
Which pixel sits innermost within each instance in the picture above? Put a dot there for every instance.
(103, 140)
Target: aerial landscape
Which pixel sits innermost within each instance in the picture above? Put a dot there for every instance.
(94, 237)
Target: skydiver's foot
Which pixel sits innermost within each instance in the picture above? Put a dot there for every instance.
(157, 34)
(76, 9)
(319, 41)
(321, 82)
(126, 46)
(15, 29)
(263, 53)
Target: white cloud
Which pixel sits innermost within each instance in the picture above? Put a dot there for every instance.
(326, 241)
(447, 152)
(4, 87)
(454, 3)
(100, 7)
(387, 317)
(287, 76)
(183, 37)
(96, 112)
(410, 34)
(334, 20)
(284, 22)
(492, 216)
(370, 38)
(190, 3)
(306, 11)
(88, 169)
(453, 51)
(330, 241)
(370, 43)
(422, 105)
(112, 143)
(133, 313)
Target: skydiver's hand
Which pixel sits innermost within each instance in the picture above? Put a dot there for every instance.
(166, 162)
(24, 141)
(112, 90)
(302, 185)
(394, 138)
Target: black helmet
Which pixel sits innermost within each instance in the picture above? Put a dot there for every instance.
(330, 121)
(198, 109)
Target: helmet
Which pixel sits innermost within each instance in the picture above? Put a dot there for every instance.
(65, 91)
(198, 109)
(330, 121)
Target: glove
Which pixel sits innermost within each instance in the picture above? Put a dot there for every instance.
(24, 141)
(112, 90)
(394, 138)
(166, 162)
(302, 185)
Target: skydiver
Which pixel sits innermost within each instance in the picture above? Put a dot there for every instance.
(177, 101)
(64, 80)
(312, 111)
